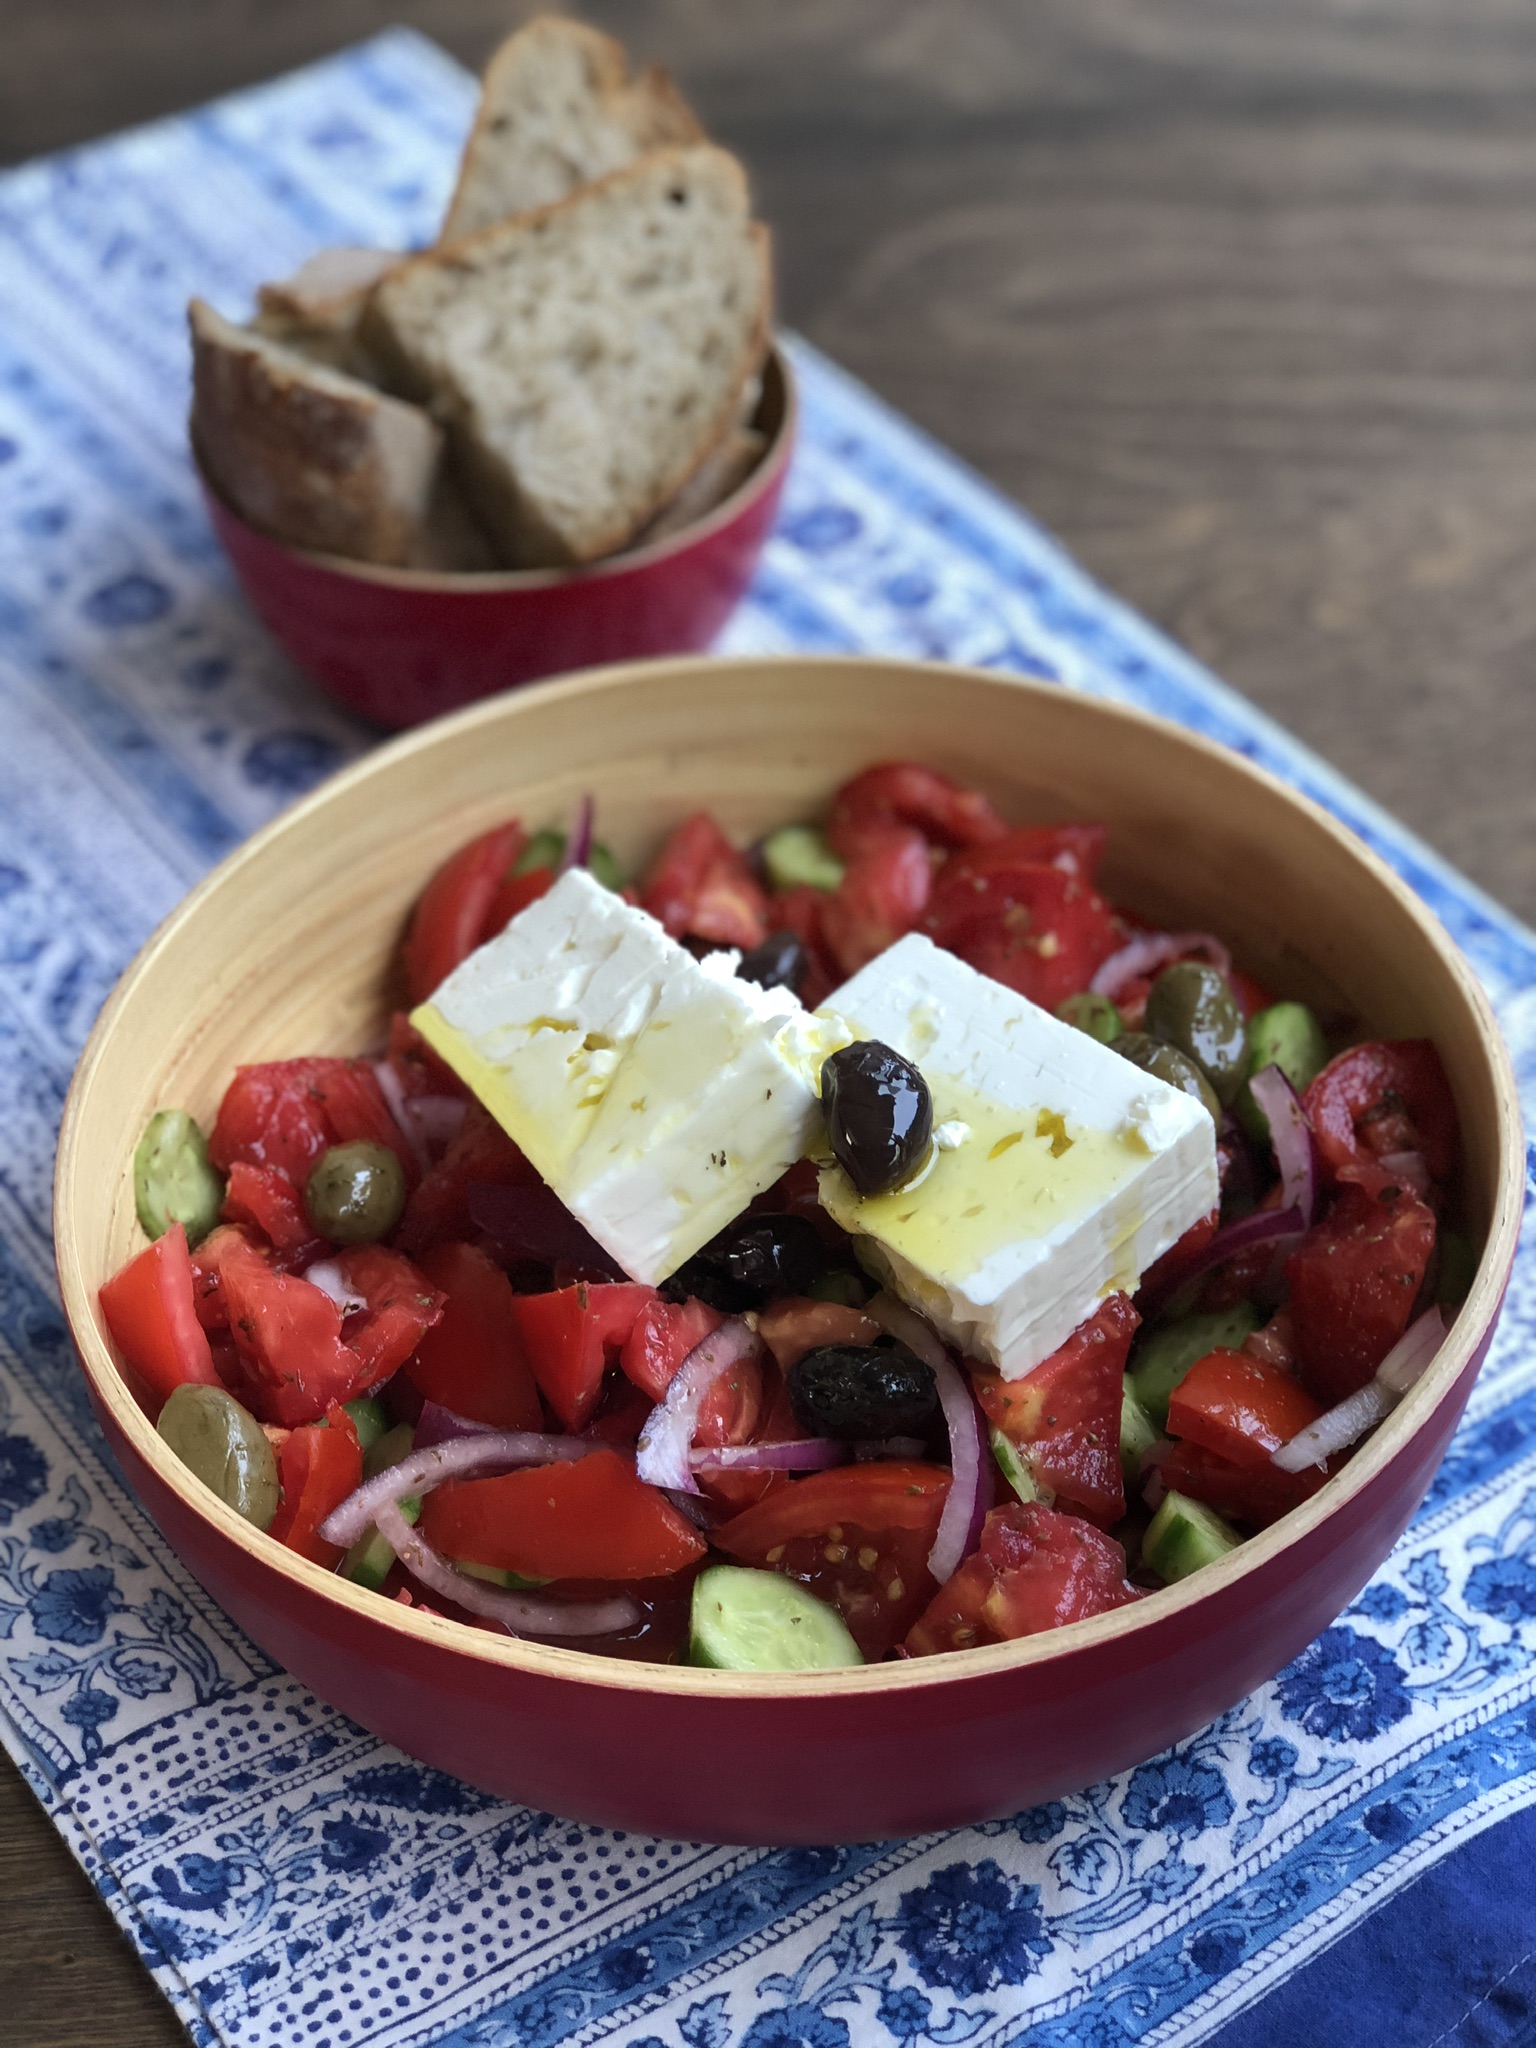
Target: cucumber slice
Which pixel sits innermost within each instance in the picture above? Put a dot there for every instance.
(1162, 1361)
(369, 1420)
(1184, 1535)
(798, 853)
(1014, 1466)
(367, 1563)
(758, 1621)
(547, 849)
(388, 1449)
(1138, 1432)
(494, 1575)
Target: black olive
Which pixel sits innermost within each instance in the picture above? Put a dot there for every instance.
(779, 962)
(879, 1115)
(755, 1258)
(856, 1391)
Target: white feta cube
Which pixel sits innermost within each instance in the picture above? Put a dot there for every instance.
(655, 1093)
(1076, 1169)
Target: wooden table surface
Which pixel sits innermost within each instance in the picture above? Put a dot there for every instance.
(1240, 301)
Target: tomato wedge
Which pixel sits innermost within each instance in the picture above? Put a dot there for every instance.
(883, 893)
(664, 1333)
(515, 894)
(1239, 1406)
(799, 910)
(570, 1336)
(437, 1209)
(699, 884)
(265, 1199)
(1034, 1569)
(151, 1311)
(796, 1324)
(471, 1360)
(285, 1113)
(1065, 1414)
(1255, 1494)
(1354, 1281)
(1076, 849)
(590, 1519)
(1382, 1098)
(1037, 929)
(319, 1465)
(292, 1357)
(451, 913)
(905, 793)
(858, 1537)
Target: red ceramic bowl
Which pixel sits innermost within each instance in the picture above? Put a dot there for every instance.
(286, 949)
(403, 645)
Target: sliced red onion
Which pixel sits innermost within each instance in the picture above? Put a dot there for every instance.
(1411, 1168)
(1346, 1423)
(661, 1456)
(1409, 1357)
(428, 1123)
(969, 1496)
(518, 1614)
(533, 1223)
(437, 1119)
(465, 1457)
(578, 841)
(1151, 950)
(326, 1274)
(439, 1425)
(1264, 1226)
(809, 1454)
(1291, 1135)
(1155, 1489)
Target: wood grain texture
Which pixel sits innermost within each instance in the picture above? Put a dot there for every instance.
(1238, 300)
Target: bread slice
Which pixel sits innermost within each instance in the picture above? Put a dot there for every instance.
(316, 310)
(586, 358)
(306, 453)
(558, 109)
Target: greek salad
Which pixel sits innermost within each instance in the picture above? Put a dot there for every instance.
(870, 1244)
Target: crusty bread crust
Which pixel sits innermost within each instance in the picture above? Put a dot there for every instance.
(588, 357)
(308, 454)
(557, 110)
(316, 311)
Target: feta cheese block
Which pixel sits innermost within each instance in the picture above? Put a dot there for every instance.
(655, 1093)
(1058, 1174)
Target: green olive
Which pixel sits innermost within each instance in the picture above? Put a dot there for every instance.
(355, 1192)
(1094, 1015)
(172, 1180)
(1289, 1037)
(1192, 1007)
(225, 1446)
(1156, 1056)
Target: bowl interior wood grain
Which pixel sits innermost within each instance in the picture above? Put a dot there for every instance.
(287, 949)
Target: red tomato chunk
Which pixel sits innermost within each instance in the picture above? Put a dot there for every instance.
(858, 1537)
(1239, 1406)
(1354, 1283)
(471, 1360)
(569, 1338)
(592, 1519)
(151, 1312)
(319, 1465)
(1065, 1415)
(1035, 1569)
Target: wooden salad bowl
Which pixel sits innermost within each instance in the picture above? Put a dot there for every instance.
(286, 949)
(404, 645)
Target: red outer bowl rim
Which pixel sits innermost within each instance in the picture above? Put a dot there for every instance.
(1438, 1385)
(762, 478)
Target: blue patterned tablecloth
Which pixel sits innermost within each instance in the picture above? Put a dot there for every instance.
(287, 1878)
